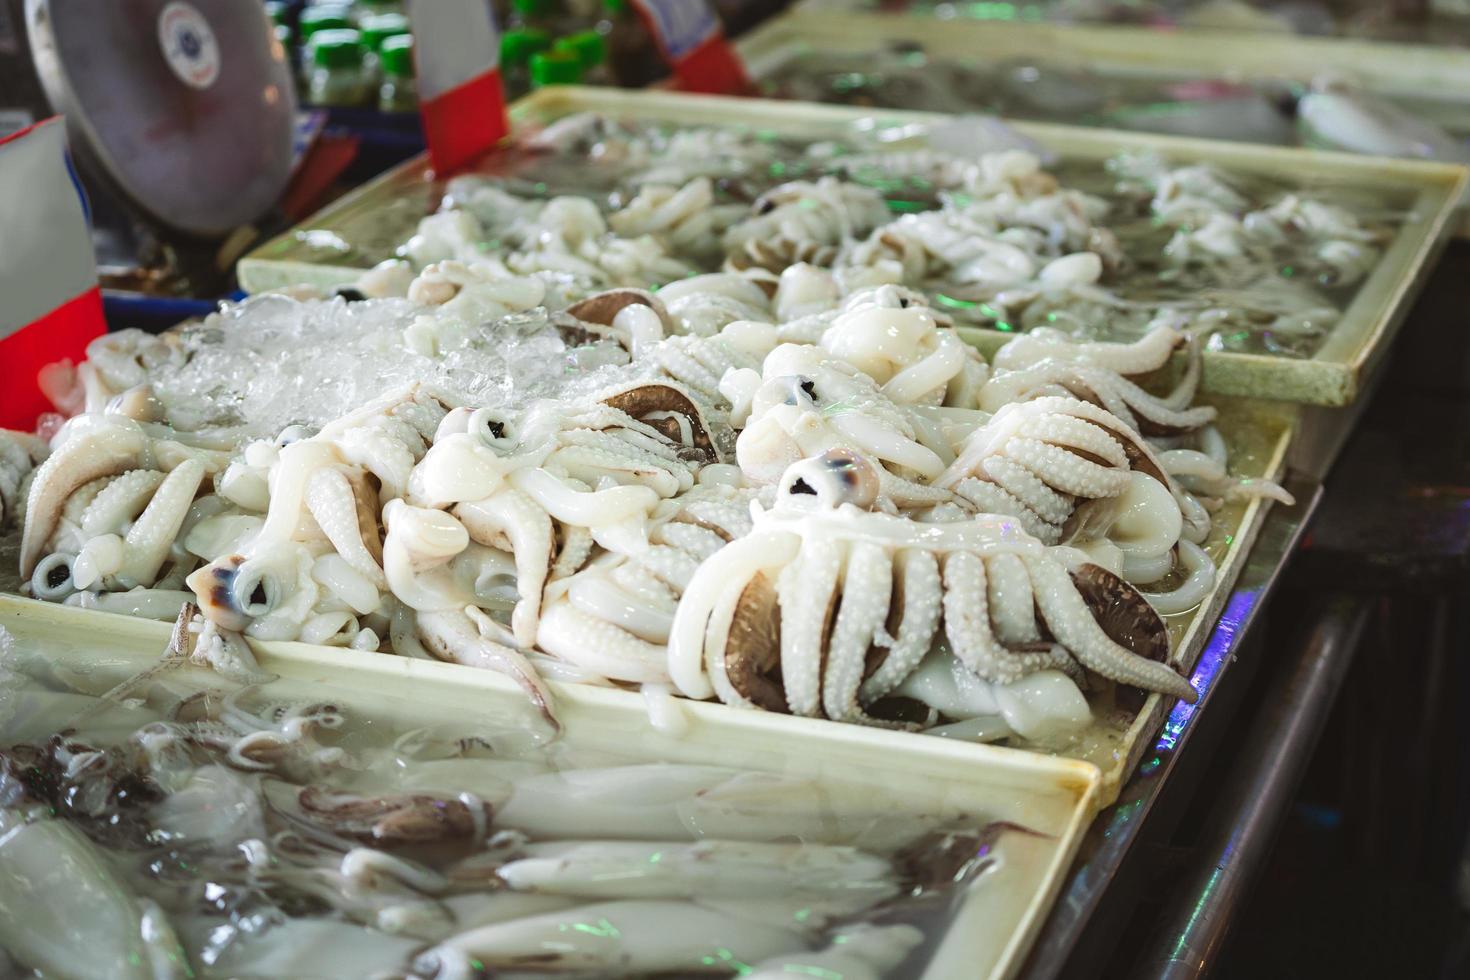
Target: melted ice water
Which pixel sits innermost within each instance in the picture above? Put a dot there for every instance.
(280, 830)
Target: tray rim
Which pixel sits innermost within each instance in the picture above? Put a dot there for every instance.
(1383, 66)
(1363, 333)
(1076, 783)
(1156, 708)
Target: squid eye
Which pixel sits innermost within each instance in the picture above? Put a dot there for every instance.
(836, 477)
(52, 580)
(254, 592)
(293, 433)
(796, 389)
(492, 428)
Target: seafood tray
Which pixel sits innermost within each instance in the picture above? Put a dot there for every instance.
(989, 929)
(337, 245)
(1432, 81)
(1258, 433)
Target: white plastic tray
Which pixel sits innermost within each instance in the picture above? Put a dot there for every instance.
(1437, 79)
(372, 221)
(988, 936)
(1259, 435)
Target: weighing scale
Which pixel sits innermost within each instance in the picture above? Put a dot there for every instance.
(180, 118)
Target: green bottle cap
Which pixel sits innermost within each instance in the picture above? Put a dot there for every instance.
(376, 30)
(615, 6)
(529, 7)
(516, 47)
(588, 46)
(555, 68)
(396, 56)
(336, 49)
(323, 18)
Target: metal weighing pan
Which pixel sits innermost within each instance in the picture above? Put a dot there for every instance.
(333, 247)
(185, 108)
(988, 935)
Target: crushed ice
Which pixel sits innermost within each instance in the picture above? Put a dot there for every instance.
(272, 361)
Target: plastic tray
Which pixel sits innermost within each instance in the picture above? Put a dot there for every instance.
(1436, 79)
(989, 934)
(1259, 434)
(333, 247)
(1264, 430)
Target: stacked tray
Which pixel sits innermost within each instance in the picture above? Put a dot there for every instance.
(337, 245)
(989, 931)
(1055, 791)
(1425, 82)
(1433, 80)
(1259, 434)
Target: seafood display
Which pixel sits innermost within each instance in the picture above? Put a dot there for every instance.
(991, 236)
(789, 492)
(1328, 113)
(182, 824)
(1429, 25)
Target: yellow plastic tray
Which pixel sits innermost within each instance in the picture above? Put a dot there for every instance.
(1263, 431)
(1259, 434)
(1436, 79)
(334, 246)
(987, 938)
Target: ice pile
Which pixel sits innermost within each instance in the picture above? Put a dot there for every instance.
(273, 361)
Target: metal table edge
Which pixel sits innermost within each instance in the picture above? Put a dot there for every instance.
(1116, 829)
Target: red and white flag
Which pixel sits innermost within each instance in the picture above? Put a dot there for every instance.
(50, 306)
(456, 51)
(692, 41)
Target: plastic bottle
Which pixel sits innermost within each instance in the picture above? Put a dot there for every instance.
(399, 91)
(363, 10)
(633, 56)
(555, 68)
(516, 50)
(323, 17)
(590, 50)
(582, 14)
(336, 69)
(375, 30)
(541, 15)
